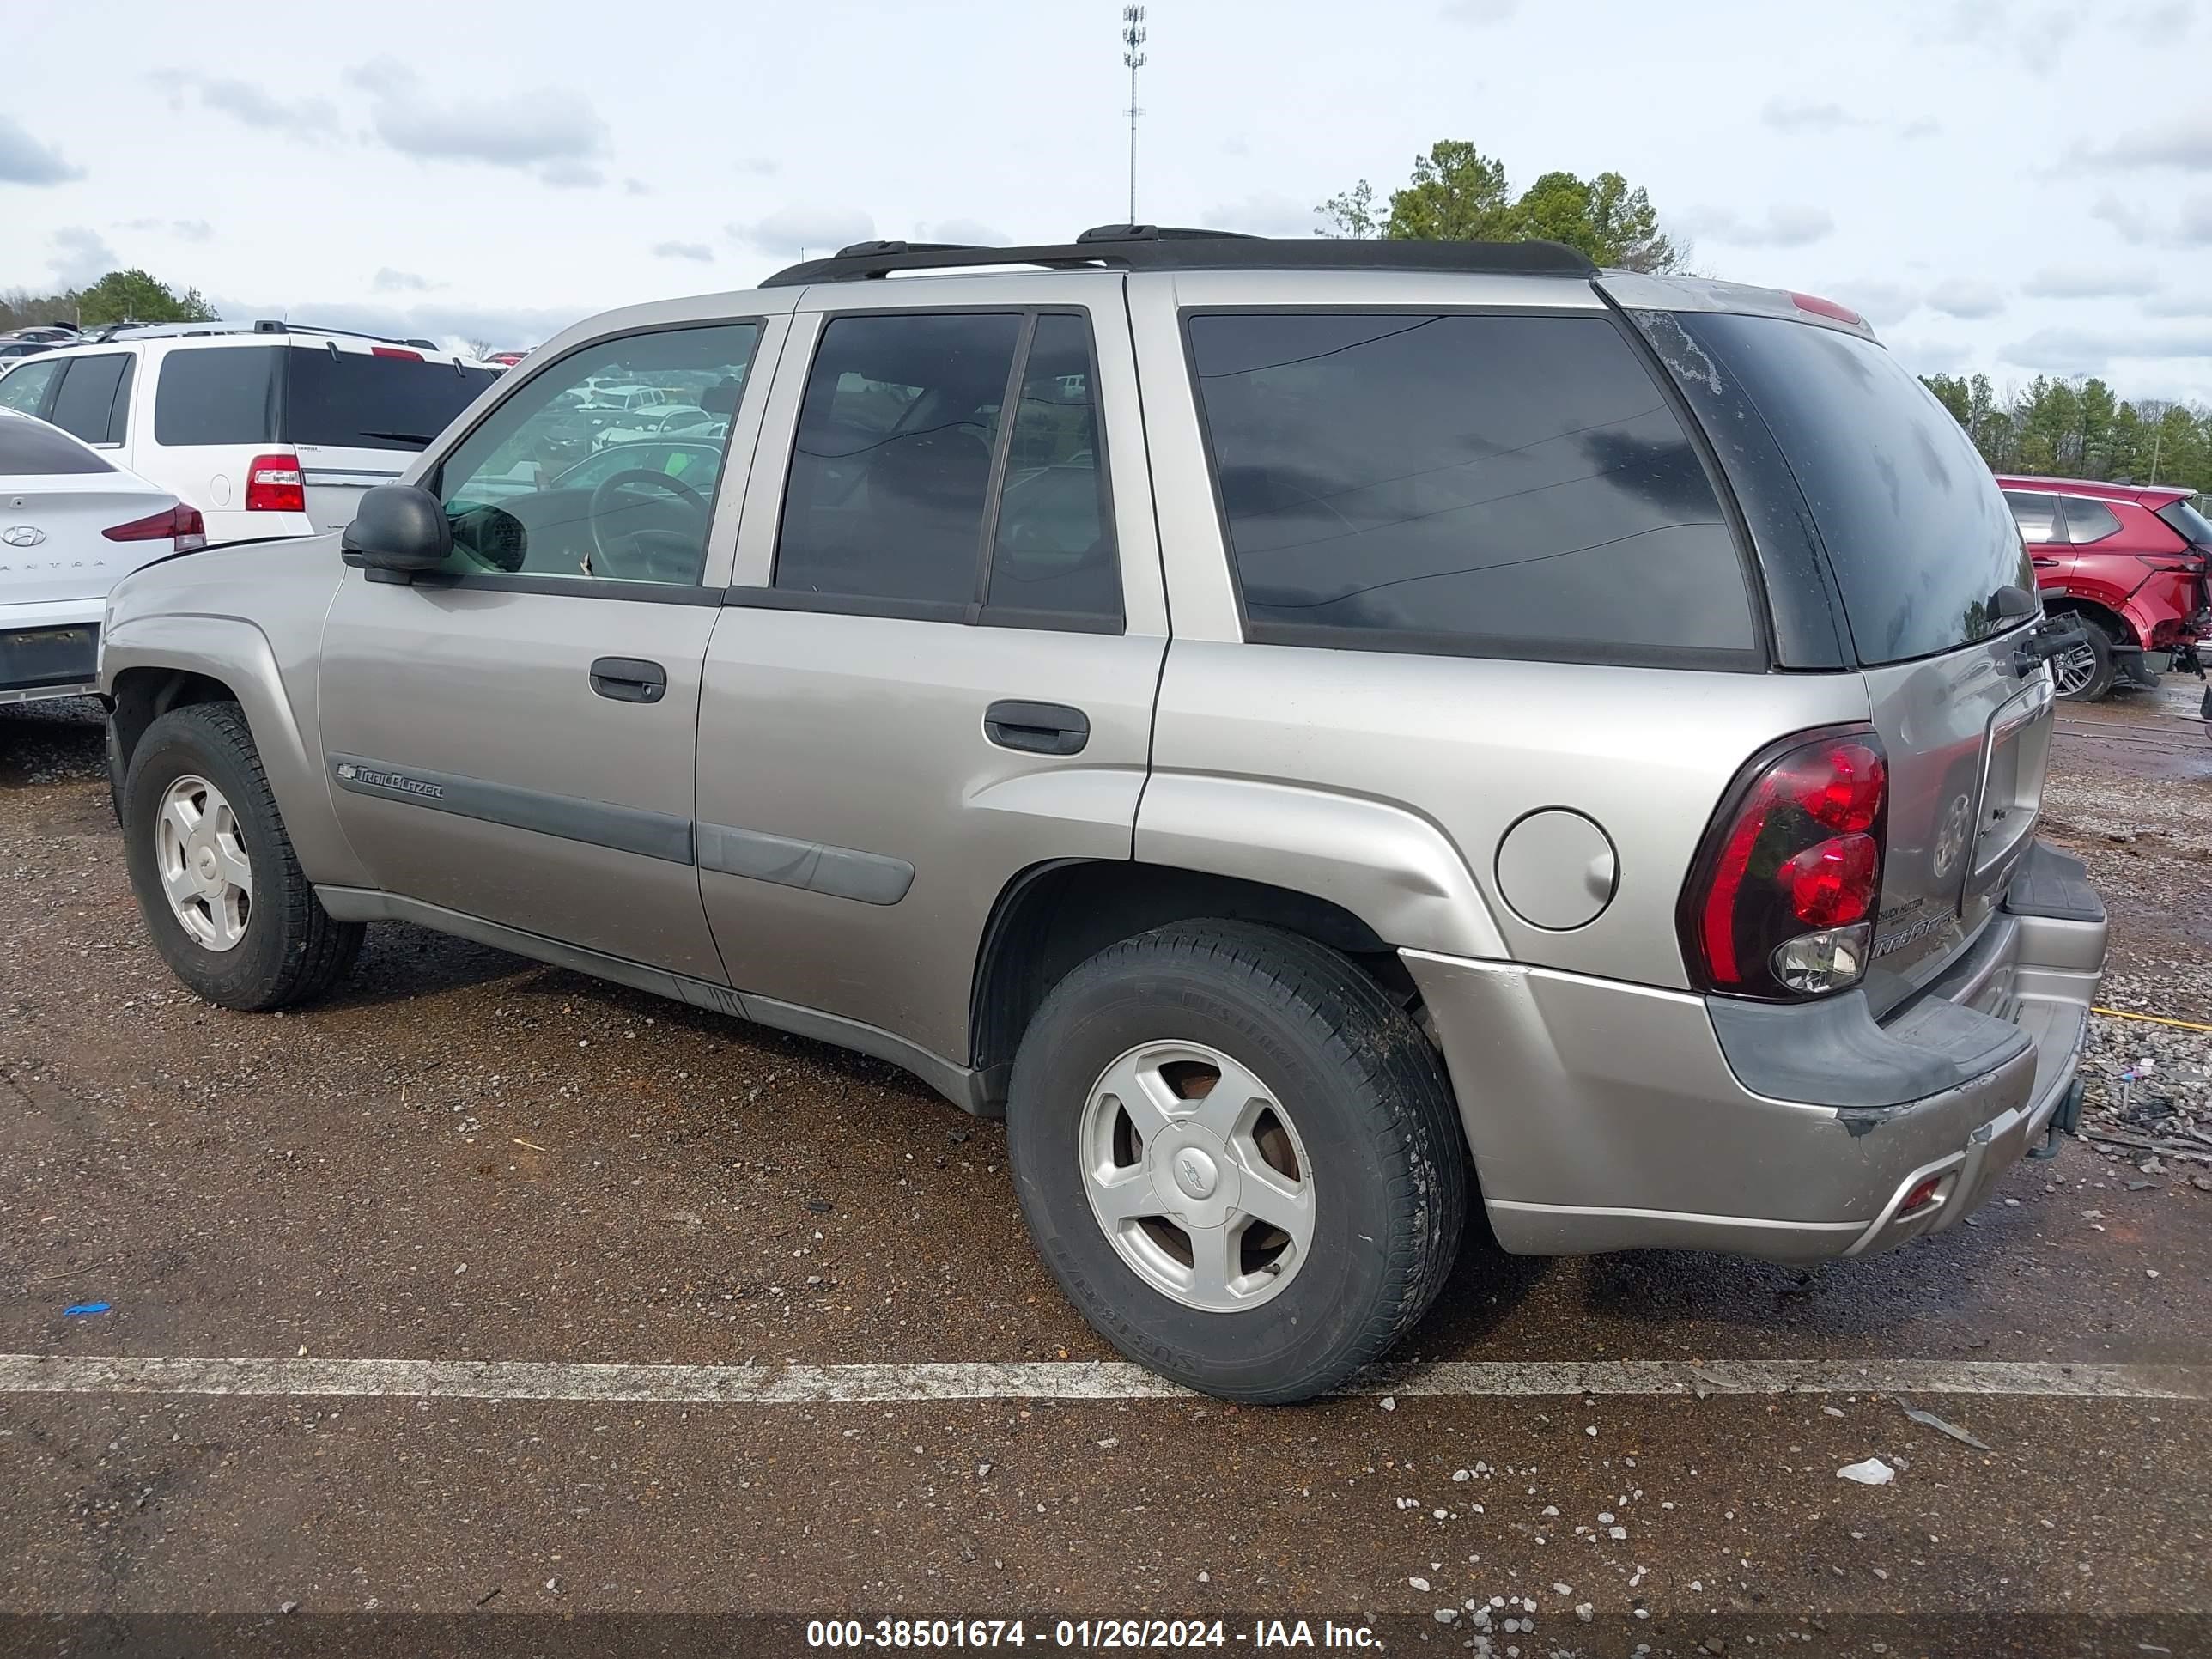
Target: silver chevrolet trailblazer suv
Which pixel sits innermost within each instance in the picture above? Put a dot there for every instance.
(1308, 730)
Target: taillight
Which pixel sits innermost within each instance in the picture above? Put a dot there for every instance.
(273, 485)
(1781, 902)
(181, 525)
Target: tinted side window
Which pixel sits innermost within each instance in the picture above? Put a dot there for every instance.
(2036, 515)
(891, 471)
(359, 400)
(85, 407)
(31, 449)
(217, 395)
(25, 388)
(1484, 485)
(2089, 522)
(1054, 549)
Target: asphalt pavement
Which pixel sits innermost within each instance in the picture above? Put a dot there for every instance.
(722, 1333)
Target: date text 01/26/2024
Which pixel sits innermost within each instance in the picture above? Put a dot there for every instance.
(1082, 1635)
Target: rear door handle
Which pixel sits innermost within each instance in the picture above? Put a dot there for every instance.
(630, 679)
(1037, 728)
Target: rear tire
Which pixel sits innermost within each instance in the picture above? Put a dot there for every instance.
(228, 907)
(1334, 1089)
(2085, 674)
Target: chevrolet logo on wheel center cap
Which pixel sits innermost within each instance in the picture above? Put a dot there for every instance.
(1195, 1173)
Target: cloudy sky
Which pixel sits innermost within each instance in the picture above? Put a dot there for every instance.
(2003, 184)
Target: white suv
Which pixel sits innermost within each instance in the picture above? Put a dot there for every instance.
(269, 430)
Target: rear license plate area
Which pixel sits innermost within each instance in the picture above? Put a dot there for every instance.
(49, 656)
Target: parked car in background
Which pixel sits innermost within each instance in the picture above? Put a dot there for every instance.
(505, 359)
(1497, 732)
(72, 524)
(652, 421)
(2128, 561)
(269, 430)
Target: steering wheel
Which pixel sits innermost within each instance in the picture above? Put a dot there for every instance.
(638, 546)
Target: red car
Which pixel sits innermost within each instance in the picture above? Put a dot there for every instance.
(2127, 560)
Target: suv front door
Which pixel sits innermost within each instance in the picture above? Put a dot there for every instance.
(512, 738)
(937, 666)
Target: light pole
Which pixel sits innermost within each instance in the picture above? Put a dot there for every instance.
(1133, 37)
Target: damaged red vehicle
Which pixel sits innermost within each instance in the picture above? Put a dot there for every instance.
(2129, 563)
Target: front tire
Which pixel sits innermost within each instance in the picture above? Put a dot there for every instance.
(228, 907)
(1238, 1157)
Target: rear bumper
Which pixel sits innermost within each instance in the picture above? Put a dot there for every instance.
(1607, 1116)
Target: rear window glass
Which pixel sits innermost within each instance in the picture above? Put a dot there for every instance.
(2036, 515)
(217, 395)
(359, 401)
(1475, 485)
(1915, 531)
(2188, 523)
(31, 449)
(94, 398)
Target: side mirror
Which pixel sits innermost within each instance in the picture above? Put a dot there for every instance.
(399, 531)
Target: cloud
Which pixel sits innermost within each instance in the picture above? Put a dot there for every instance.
(2081, 283)
(973, 231)
(760, 166)
(184, 230)
(2180, 140)
(1480, 11)
(636, 187)
(2081, 351)
(2167, 17)
(819, 230)
(388, 281)
(1800, 115)
(571, 175)
(555, 134)
(1925, 127)
(2186, 224)
(1962, 296)
(1785, 224)
(1265, 213)
(82, 255)
(1932, 356)
(312, 120)
(25, 160)
(698, 251)
(1880, 302)
(2192, 302)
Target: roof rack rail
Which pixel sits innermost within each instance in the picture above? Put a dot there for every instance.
(1161, 247)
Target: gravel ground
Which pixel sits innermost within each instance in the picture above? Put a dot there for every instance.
(465, 1157)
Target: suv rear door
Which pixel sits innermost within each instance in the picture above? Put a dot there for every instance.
(358, 413)
(937, 667)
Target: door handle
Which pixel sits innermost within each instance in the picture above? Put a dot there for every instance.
(2043, 564)
(630, 679)
(1037, 728)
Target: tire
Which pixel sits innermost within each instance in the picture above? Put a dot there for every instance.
(2102, 667)
(1383, 1170)
(286, 948)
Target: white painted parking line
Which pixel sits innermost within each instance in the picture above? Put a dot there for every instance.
(795, 1385)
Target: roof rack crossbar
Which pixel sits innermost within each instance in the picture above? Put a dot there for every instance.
(1155, 247)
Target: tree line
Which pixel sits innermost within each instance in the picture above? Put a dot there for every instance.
(2080, 428)
(120, 297)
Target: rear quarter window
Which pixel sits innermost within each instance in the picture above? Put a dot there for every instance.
(1916, 531)
(217, 395)
(1466, 484)
(357, 400)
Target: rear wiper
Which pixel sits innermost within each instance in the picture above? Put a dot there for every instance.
(401, 437)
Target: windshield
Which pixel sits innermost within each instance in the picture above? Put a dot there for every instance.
(1915, 531)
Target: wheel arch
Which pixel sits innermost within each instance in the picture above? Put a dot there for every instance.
(1053, 916)
(2115, 623)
